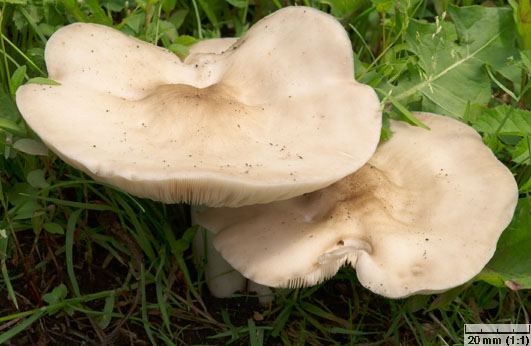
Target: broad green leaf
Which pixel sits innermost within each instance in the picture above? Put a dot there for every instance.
(523, 20)
(342, 8)
(52, 14)
(14, 194)
(526, 59)
(53, 228)
(5, 150)
(114, 5)
(98, 14)
(444, 299)
(41, 80)
(382, 6)
(46, 29)
(450, 58)
(19, 20)
(417, 302)
(36, 179)
(179, 49)
(31, 146)
(58, 294)
(178, 17)
(168, 29)
(17, 79)
(8, 109)
(11, 126)
(26, 211)
(503, 120)
(72, 7)
(521, 151)
(511, 264)
(526, 187)
(238, 3)
(168, 5)
(185, 40)
(135, 22)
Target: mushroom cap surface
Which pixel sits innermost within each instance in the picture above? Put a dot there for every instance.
(270, 116)
(422, 216)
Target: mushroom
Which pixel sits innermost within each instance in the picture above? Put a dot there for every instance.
(275, 115)
(422, 216)
(269, 116)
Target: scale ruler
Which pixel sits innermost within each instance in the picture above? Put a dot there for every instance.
(498, 334)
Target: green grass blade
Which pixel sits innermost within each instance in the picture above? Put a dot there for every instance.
(143, 308)
(17, 49)
(3, 252)
(405, 111)
(71, 6)
(105, 319)
(7, 282)
(32, 23)
(70, 231)
(499, 84)
(226, 319)
(20, 327)
(77, 205)
(209, 13)
(142, 236)
(256, 335)
(198, 19)
(281, 320)
(163, 306)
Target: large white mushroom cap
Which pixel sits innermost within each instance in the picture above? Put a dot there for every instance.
(423, 215)
(276, 115)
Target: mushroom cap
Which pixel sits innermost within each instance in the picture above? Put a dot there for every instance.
(422, 216)
(271, 116)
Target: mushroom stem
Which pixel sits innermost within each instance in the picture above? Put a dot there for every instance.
(264, 293)
(222, 279)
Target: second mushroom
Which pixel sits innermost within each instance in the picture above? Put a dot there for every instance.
(422, 216)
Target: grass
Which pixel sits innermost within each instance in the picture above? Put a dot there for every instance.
(82, 262)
